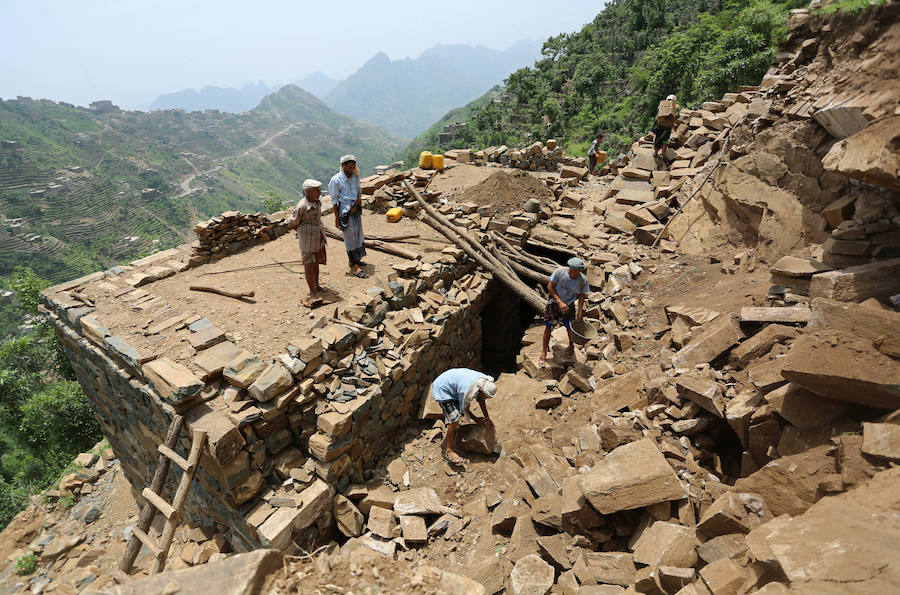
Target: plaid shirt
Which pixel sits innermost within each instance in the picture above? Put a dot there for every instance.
(308, 219)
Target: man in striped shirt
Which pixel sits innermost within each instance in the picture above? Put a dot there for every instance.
(307, 220)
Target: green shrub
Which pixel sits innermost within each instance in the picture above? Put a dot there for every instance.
(274, 203)
(59, 420)
(26, 564)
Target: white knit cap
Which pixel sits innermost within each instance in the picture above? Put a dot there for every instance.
(310, 183)
(347, 158)
(671, 98)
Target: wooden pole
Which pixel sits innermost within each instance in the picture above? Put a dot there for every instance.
(377, 245)
(156, 485)
(461, 234)
(238, 295)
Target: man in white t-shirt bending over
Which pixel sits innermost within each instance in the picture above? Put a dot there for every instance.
(566, 285)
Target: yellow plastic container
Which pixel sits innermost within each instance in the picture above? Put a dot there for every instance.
(394, 215)
(437, 161)
(601, 157)
(425, 159)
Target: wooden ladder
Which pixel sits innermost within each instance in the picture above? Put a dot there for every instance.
(155, 503)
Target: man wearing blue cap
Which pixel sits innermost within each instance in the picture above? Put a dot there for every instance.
(566, 285)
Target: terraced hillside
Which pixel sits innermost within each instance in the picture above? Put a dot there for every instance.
(87, 188)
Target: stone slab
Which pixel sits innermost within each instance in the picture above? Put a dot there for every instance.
(238, 574)
(716, 337)
(172, 381)
(631, 476)
(862, 544)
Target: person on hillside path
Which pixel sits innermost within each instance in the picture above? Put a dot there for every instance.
(306, 218)
(566, 284)
(455, 390)
(592, 152)
(346, 196)
(662, 128)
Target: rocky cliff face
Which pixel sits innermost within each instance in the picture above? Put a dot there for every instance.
(815, 165)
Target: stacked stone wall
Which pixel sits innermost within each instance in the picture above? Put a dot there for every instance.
(284, 435)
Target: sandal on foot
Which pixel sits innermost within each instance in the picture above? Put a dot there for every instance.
(542, 361)
(361, 274)
(455, 460)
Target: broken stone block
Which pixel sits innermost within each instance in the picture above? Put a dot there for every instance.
(382, 497)
(703, 392)
(547, 511)
(476, 438)
(879, 279)
(733, 513)
(631, 476)
(725, 576)
(381, 522)
(306, 349)
(213, 360)
(274, 380)
(673, 579)
(618, 393)
(238, 573)
(732, 545)
(172, 381)
(348, 518)
(760, 344)
(787, 315)
(553, 549)
(243, 370)
(844, 368)
(882, 440)
(414, 529)
(716, 337)
(531, 576)
(869, 155)
(578, 516)
(504, 516)
(605, 568)
(861, 530)
(418, 501)
(206, 338)
(667, 544)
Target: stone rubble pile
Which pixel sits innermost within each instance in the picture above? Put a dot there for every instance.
(231, 232)
(813, 167)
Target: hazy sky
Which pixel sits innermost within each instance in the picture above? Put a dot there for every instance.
(131, 52)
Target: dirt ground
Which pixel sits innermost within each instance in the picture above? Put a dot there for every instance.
(276, 314)
(506, 191)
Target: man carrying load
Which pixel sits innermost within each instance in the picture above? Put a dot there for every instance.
(666, 115)
(594, 152)
(455, 390)
(566, 285)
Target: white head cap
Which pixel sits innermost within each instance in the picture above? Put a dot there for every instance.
(671, 98)
(347, 158)
(310, 183)
(487, 386)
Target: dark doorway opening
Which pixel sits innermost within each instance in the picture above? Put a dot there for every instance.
(504, 320)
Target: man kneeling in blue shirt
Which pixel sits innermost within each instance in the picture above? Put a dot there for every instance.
(454, 390)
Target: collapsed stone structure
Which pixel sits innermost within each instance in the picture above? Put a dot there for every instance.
(720, 466)
(307, 420)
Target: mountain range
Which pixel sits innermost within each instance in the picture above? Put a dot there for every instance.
(233, 100)
(406, 96)
(226, 99)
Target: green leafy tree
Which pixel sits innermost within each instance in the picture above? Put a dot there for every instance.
(58, 419)
(45, 419)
